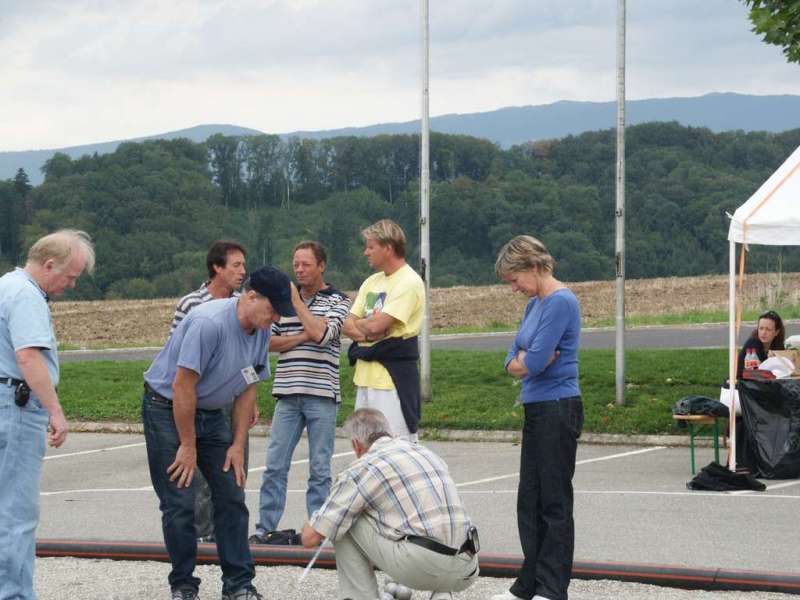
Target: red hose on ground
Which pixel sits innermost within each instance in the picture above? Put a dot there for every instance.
(492, 565)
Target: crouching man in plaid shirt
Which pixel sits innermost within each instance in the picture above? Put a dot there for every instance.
(396, 508)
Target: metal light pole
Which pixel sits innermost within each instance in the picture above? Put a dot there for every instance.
(619, 214)
(424, 208)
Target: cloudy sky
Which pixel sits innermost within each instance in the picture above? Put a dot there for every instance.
(86, 71)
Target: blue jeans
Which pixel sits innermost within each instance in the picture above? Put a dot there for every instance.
(292, 414)
(22, 445)
(177, 504)
(545, 497)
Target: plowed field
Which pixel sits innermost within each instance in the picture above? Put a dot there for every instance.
(146, 322)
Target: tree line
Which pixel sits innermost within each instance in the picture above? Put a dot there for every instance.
(153, 207)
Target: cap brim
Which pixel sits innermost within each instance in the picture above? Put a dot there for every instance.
(285, 309)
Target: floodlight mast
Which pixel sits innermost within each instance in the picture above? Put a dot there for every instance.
(424, 207)
(619, 213)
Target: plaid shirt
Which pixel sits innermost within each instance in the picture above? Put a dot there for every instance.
(404, 488)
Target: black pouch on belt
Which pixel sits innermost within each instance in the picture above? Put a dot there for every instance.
(22, 393)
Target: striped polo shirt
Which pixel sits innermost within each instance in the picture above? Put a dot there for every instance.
(312, 368)
(192, 299)
(404, 488)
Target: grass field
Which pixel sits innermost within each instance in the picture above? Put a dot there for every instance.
(471, 390)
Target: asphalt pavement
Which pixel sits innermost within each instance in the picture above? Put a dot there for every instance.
(631, 503)
(699, 336)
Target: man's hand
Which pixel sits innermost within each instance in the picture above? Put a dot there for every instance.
(235, 458)
(310, 537)
(57, 434)
(181, 471)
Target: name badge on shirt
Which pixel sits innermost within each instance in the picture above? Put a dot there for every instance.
(250, 375)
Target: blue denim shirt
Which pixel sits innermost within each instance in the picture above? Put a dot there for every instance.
(550, 325)
(25, 322)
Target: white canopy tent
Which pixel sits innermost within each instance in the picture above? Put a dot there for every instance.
(770, 217)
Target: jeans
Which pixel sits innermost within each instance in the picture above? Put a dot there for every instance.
(545, 497)
(203, 505)
(22, 446)
(292, 414)
(214, 437)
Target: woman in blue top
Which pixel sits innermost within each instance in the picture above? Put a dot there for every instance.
(545, 356)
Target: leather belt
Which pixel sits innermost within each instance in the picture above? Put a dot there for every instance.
(155, 394)
(10, 381)
(432, 545)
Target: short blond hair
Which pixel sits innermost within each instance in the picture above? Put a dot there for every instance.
(59, 247)
(523, 253)
(387, 233)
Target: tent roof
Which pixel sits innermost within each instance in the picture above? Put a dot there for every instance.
(771, 216)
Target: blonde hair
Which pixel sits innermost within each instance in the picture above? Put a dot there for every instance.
(60, 246)
(523, 253)
(387, 233)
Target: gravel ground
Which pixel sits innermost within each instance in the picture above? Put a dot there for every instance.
(70, 578)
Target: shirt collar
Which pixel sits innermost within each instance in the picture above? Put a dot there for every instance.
(35, 283)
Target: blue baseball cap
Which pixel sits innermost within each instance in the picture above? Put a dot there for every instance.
(273, 284)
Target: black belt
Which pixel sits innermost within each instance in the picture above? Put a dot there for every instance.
(10, 381)
(433, 545)
(155, 394)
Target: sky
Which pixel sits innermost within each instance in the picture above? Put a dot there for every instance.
(88, 71)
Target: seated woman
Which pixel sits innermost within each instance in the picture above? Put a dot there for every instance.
(768, 335)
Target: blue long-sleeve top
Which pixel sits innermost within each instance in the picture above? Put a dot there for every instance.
(550, 325)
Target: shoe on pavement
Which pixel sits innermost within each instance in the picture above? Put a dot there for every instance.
(283, 537)
(245, 593)
(507, 595)
(538, 597)
(184, 594)
(441, 596)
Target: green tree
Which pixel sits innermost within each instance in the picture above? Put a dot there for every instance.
(779, 22)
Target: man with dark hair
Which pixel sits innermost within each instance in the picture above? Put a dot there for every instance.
(396, 508)
(225, 262)
(384, 323)
(214, 358)
(306, 387)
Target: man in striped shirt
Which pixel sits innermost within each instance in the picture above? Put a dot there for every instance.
(306, 387)
(395, 508)
(225, 262)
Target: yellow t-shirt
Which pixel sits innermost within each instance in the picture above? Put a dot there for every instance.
(401, 295)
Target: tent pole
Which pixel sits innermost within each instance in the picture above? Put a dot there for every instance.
(732, 356)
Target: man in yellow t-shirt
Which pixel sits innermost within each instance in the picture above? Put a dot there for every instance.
(390, 306)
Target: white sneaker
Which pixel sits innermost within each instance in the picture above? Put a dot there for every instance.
(538, 597)
(507, 595)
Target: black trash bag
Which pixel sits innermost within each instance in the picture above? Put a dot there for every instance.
(771, 413)
(716, 478)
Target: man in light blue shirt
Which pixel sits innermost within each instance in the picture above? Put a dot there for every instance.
(215, 357)
(28, 398)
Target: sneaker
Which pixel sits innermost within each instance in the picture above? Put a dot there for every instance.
(441, 596)
(246, 593)
(206, 539)
(507, 595)
(184, 594)
(283, 537)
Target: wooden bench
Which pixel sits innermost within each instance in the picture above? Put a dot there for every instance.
(705, 426)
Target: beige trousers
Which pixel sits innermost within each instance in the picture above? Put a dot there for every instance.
(363, 548)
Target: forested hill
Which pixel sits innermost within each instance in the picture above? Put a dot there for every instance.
(153, 207)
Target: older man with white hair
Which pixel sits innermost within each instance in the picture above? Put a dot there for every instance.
(396, 508)
(29, 402)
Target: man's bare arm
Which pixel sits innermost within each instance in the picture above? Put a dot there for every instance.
(184, 407)
(34, 370)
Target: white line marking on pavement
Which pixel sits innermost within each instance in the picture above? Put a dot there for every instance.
(300, 461)
(580, 462)
(82, 452)
(644, 493)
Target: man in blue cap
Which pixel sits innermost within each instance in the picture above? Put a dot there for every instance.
(215, 357)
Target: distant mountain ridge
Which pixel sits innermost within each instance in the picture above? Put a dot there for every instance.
(505, 126)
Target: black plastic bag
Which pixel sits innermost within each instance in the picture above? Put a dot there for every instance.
(771, 413)
(716, 478)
